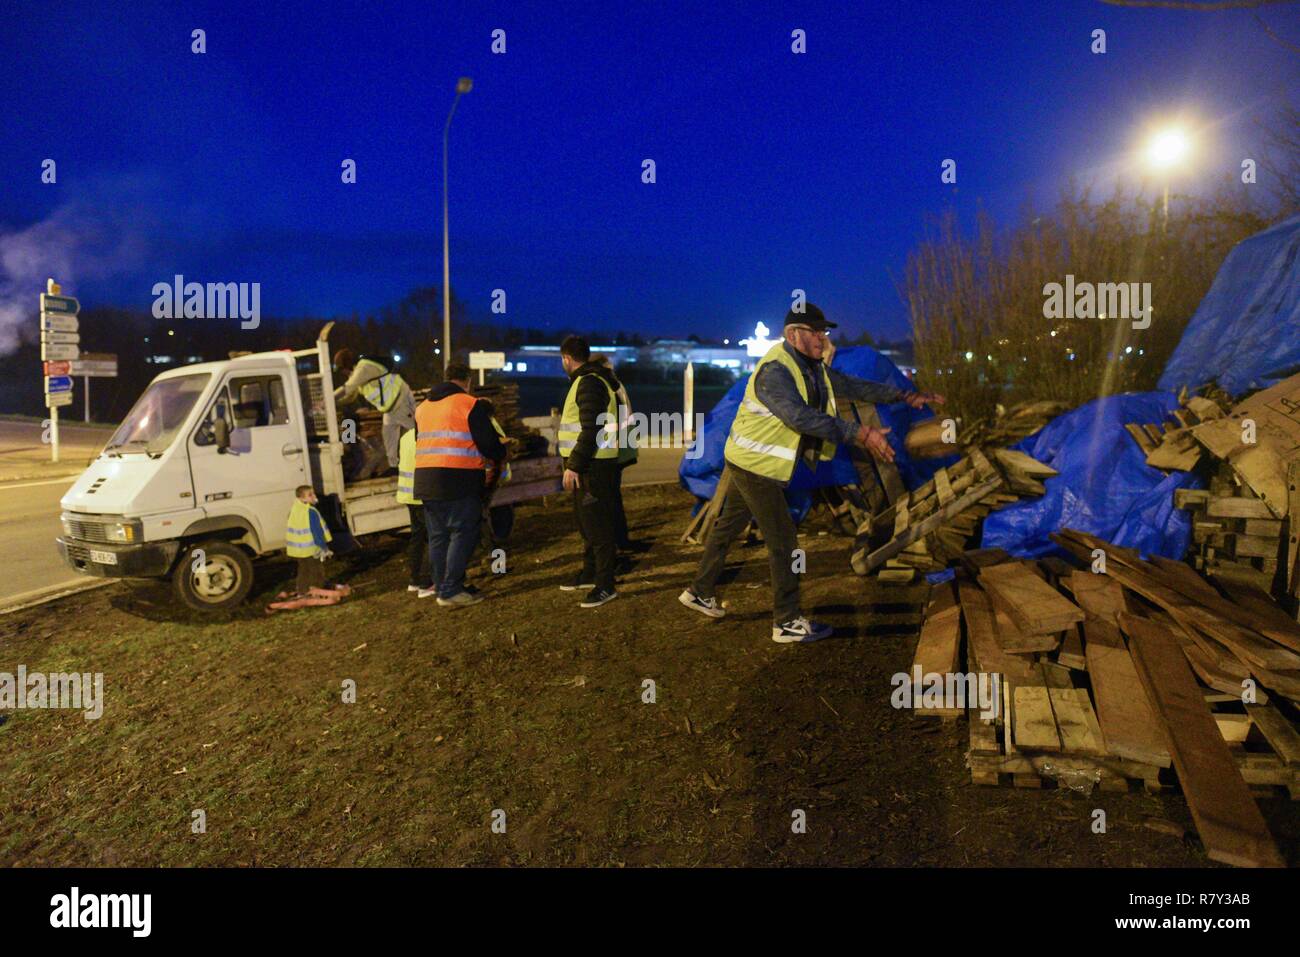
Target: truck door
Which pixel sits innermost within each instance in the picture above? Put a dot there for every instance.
(256, 476)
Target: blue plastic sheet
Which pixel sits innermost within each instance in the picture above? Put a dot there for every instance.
(1246, 332)
(700, 475)
(1104, 487)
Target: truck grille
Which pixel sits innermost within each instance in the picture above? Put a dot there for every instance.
(87, 531)
(78, 553)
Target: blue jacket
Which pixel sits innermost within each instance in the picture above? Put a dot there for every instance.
(318, 530)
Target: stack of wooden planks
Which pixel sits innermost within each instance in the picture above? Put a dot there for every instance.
(1129, 674)
(928, 528)
(1246, 524)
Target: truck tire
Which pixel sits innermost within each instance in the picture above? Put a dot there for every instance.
(224, 581)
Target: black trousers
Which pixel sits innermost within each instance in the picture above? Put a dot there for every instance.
(417, 549)
(596, 509)
(763, 499)
(620, 516)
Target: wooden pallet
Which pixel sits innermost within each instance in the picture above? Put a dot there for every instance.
(927, 528)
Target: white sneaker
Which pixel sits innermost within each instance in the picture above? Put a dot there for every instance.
(705, 606)
(414, 588)
(426, 593)
(461, 599)
(800, 630)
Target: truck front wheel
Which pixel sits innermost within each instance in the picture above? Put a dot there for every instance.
(213, 575)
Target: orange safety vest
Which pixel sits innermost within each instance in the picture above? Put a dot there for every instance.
(442, 436)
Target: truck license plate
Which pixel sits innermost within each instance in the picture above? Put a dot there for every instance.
(103, 558)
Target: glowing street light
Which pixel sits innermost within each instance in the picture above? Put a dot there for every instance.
(1166, 148)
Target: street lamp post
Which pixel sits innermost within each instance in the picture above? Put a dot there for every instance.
(463, 85)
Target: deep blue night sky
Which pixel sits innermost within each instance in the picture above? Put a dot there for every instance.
(775, 171)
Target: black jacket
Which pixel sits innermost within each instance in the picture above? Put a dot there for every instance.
(444, 485)
(593, 399)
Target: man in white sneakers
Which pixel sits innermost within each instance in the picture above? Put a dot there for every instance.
(788, 413)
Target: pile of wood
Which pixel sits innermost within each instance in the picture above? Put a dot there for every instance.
(1125, 677)
(1009, 426)
(1246, 524)
(928, 528)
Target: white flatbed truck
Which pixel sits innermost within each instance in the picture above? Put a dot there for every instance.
(197, 481)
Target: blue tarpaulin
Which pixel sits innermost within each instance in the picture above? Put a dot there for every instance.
(1246, 332)
(699, 475)
(1104, 487)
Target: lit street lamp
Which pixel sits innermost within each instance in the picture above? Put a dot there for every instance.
(1166, 149)
(463, 85)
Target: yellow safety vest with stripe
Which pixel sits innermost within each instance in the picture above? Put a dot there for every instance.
(406, 469)
(760, 442)
(298, 539)
(627, 450)
(571, 422)
(383, 392)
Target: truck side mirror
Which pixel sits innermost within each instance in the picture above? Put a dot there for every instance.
(221, 432)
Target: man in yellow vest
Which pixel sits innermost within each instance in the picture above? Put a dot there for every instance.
(788, 415)
(417, 549)
(454, 441)
(589, 443)
(627, 457)
(307, 539)
(386, 391)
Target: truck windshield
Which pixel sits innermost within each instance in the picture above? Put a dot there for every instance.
(158, 414)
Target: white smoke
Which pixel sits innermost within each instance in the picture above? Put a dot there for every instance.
(76, 243)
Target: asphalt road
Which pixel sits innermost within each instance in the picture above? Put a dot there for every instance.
(29, 523)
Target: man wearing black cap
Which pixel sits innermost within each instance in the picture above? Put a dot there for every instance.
(788, 414)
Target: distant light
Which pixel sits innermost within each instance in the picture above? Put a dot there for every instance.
(726, 342)
(522, 366)
(970, 356)
(171, 332)
(1053, 332)
(1167, 148)
(397, 357)
(1128, 349)
(437, 352)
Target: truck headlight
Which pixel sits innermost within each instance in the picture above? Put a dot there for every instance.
(123, 532)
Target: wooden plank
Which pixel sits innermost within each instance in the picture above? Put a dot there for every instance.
(1080, 732)
(864, 563)
(1014, 641)
(940, 642)
(981, 634)
(1035, 723)
(1035, 606)
(1227, 818)
(942, 487)
(1277, 731)
(1100, 596)
(1128, 725)
(1071, 653)
(1233, 507)
(1140, 437)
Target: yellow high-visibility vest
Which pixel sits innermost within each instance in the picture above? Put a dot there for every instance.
(383, 392)
(761, 443)
(298, 540)
(571, 422)
(406, 469)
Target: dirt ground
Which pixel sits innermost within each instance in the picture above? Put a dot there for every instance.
(528, 705)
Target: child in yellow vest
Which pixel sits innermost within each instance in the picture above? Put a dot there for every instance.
(307, 539)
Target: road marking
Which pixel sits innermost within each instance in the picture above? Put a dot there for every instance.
(69, 479)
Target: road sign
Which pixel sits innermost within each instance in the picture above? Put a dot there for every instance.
(65, 337)
(58, 383)
(103, 368)
(58, 350)
(487, 360)
(57, 322)
(55, 399)
(58, 368)
(63, 305)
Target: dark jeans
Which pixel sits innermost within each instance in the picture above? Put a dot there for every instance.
(595, 509)
(763, 499)
(620, 516)
(417, 549)
(311, 574)
(453, 529)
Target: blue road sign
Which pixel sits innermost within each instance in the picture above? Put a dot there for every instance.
(63, 305)
(58, 383)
